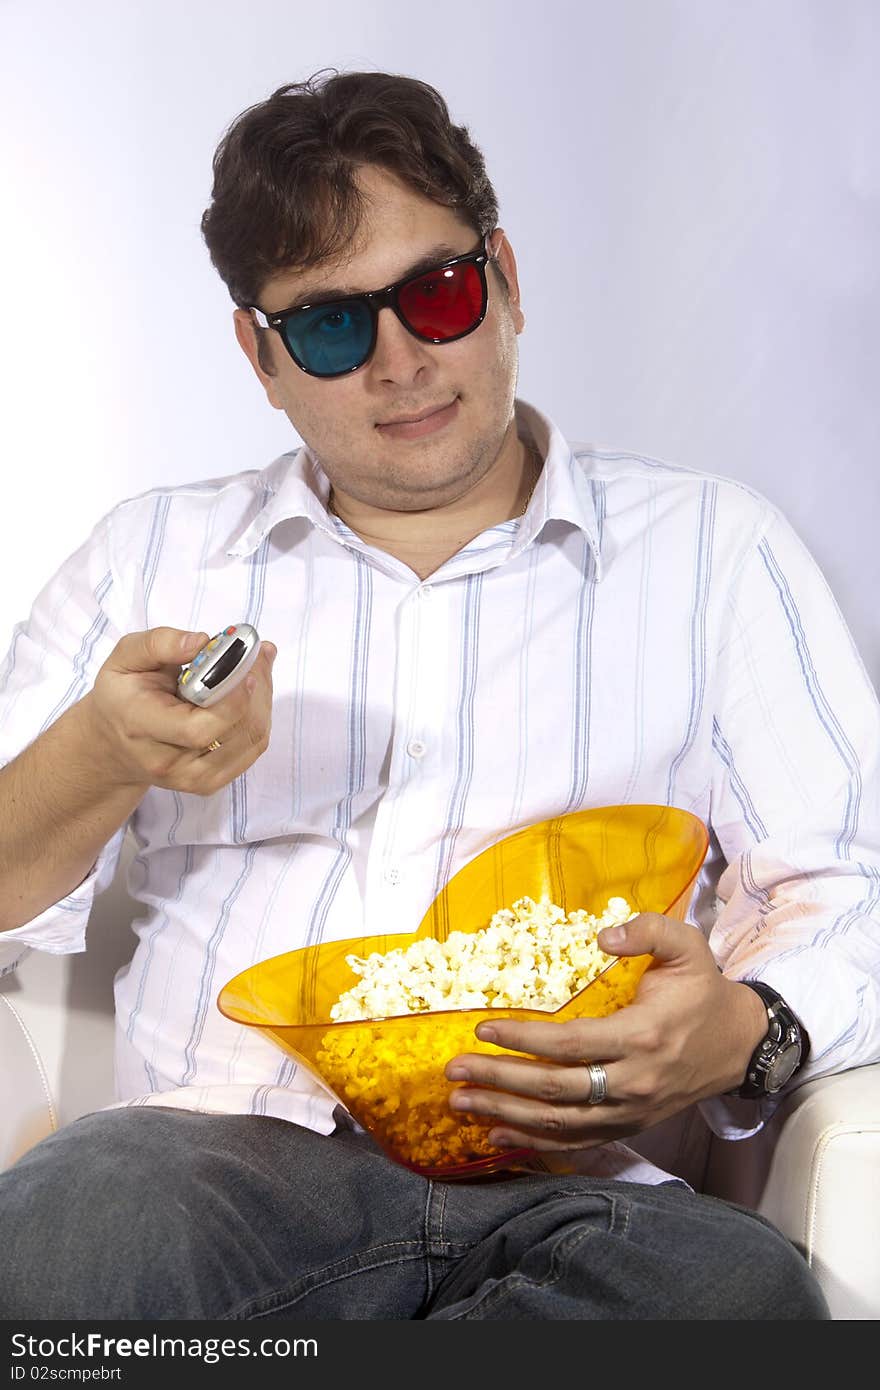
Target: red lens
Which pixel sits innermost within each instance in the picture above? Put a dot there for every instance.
(444, 304)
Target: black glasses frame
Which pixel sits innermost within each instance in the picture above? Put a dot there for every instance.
(380, 299)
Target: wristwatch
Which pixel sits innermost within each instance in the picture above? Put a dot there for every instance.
(780, 1053)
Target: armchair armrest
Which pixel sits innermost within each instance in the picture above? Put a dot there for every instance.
(813, 1172)
(26, 1105)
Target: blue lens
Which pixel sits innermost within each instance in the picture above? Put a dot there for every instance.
(331, 337)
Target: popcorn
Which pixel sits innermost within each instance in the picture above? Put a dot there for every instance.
(530, 956)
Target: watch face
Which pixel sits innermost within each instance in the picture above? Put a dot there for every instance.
(783, 1067)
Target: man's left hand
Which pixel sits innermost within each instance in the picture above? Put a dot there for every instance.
(688, 1034)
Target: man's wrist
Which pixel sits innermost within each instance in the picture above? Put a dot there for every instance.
(749, 1027)
(782, 1051)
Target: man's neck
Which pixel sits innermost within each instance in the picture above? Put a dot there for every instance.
(426, 540)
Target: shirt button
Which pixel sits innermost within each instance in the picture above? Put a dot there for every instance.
(426, 591)
(392, 876)
(416, 748)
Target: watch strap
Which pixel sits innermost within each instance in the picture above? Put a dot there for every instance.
(784, 1032)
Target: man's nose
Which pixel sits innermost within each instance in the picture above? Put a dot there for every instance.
(399, 354)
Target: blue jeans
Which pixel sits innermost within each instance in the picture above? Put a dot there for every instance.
(157, 1213)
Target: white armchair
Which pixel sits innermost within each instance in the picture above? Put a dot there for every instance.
(812, 1171)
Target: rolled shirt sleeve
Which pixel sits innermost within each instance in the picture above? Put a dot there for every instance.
(796, 811)
(52, 662)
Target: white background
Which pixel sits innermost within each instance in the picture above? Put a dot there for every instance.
(690, 187)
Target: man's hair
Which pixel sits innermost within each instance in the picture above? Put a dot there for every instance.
(285, 194)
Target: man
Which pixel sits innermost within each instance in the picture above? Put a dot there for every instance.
(476, 626)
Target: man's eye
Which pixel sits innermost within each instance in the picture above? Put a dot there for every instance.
(443, 281)
(335, 320)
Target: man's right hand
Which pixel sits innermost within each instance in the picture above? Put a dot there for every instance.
(143, 734)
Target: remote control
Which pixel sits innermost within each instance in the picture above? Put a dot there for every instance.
(220, 666)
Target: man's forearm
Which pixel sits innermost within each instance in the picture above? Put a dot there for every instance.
(58, 810)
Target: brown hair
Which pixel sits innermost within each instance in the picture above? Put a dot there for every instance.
(285, 194)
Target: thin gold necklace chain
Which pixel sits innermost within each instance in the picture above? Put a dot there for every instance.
(534, 455)
(536, 459)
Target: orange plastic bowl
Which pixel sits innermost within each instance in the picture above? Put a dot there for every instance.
(388, 1072)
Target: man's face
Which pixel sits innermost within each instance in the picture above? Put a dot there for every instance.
(340, 418)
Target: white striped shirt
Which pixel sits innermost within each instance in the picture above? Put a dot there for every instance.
(646, 633)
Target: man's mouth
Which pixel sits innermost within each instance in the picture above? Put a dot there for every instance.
(425, 422)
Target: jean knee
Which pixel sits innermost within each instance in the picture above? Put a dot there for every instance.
(750, 1270)
(88, 1216)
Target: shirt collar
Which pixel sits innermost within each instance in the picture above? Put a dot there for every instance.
(295, 485)
(562, 492)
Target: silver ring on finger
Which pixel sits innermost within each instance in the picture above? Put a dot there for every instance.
(598, 1083)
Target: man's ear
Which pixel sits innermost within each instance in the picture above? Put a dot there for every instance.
(247, 331)
(507, 264)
